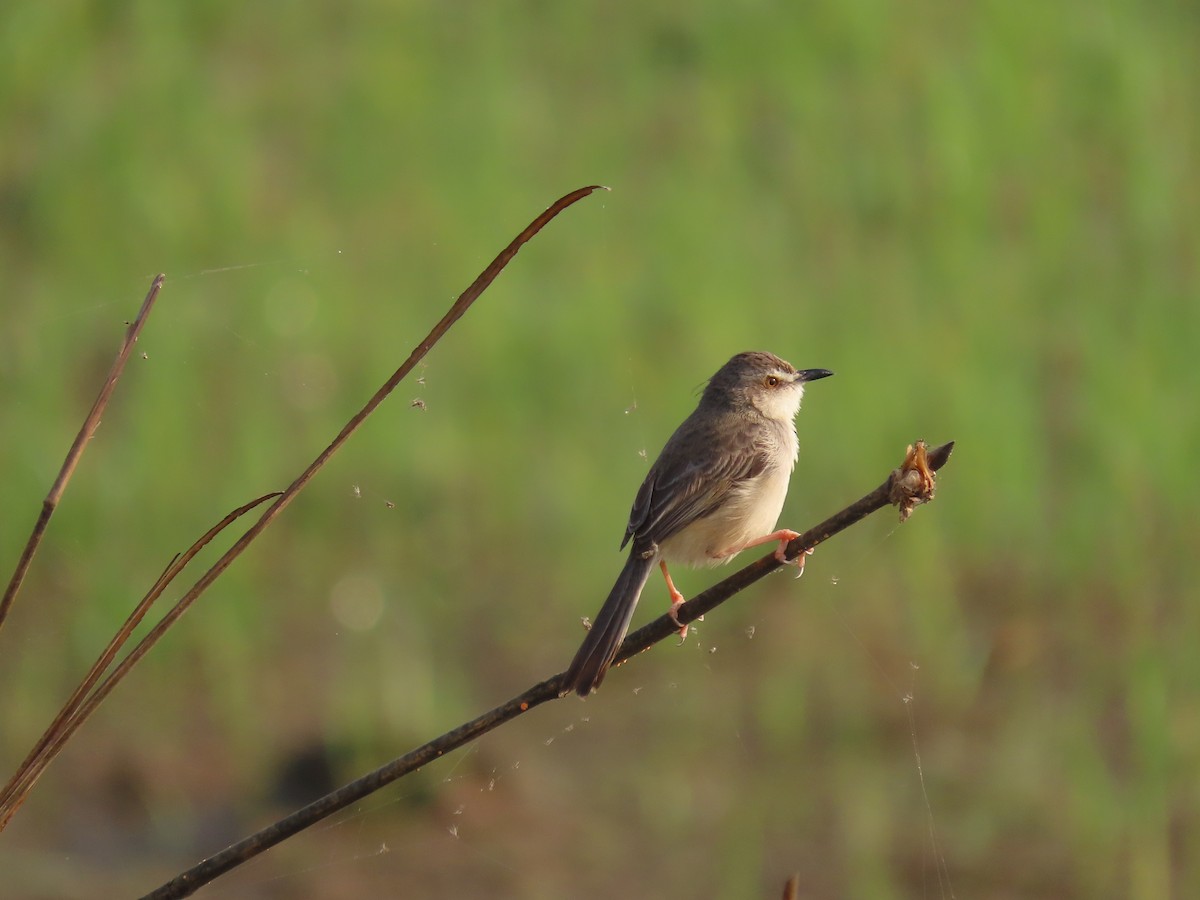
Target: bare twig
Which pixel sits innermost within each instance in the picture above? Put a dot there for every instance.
(693, 609)
(90, 424)
(187, 883)
(460, 306)
(81, 704)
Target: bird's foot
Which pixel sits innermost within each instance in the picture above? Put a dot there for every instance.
(785, 536)
(798, 562)
(676, 602)
(673, 612)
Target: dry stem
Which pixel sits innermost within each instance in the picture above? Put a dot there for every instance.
(189, 882)
(77, 710)
(86, 432)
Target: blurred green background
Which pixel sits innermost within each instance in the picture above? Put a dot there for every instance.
(981, 216)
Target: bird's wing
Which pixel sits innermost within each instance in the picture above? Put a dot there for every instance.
(674, 496)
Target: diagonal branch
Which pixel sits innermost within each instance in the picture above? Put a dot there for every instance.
(900, 489)
(86, 432)
(907, 486)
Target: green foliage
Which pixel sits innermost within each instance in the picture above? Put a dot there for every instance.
(981, 216)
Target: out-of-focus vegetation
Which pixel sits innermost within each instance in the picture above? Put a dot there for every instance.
(981, 216)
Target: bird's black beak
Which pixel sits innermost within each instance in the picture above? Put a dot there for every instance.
(812, 374)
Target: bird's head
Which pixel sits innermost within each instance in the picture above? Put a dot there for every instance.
(772, 386)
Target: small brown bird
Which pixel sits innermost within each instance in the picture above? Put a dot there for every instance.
(717, 487)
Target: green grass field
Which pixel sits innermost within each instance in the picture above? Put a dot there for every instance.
(982, 217)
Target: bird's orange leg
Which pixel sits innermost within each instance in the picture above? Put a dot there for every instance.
(784, 536)
(676, 599)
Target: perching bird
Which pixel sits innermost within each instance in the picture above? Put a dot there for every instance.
(717, 487)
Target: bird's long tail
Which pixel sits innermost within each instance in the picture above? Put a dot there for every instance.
(596, 653)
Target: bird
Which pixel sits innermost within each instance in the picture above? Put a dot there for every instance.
(717, 488)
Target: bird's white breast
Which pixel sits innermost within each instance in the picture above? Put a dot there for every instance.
(751, 511)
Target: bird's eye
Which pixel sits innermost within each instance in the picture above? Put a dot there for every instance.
(771, 381)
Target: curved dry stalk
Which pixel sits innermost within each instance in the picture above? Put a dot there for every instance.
(900, 488)
(83, 702)
(284, 499)
(460, 306)
(86, 432)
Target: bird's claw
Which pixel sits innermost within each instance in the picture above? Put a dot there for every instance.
(673, 612)
(786, 536)
(798, 562)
